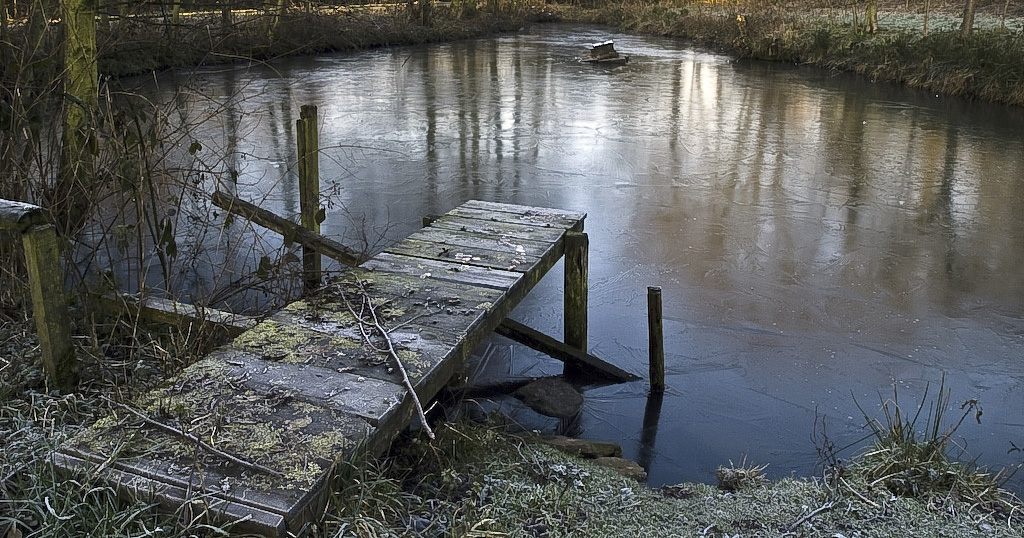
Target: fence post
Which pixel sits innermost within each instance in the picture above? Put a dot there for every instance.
(49, 307)
(577, 260)
(656, 343)
(309, 190)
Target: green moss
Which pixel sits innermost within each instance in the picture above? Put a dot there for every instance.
(329, 444)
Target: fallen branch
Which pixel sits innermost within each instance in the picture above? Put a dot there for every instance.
(853, 491)
(806, 517)
(199, 442)
(390, 350)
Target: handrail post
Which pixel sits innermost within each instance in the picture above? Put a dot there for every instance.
(309, 190)
(49, 306)
(575, 292)
(656, 339)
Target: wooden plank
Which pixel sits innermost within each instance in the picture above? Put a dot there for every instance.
(367, 398)
(444, 271)
(282, 416)
(325, 245)
(480, 257)
(459, 238)
(540, 221)
(19, 216)
(545, 344)
(525, 210)
(245, 518)
(162, 310)
(508, 230)
(426, 318)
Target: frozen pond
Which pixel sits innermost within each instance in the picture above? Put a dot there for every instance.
(818, 237)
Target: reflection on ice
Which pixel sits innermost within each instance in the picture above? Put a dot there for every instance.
(816, 236)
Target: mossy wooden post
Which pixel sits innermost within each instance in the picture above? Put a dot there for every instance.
(42, 256)
(309, 189)
(575, 292)
(46, 280)
(656, 340)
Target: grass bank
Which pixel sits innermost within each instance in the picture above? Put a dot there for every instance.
(914, 45)
(481, 480)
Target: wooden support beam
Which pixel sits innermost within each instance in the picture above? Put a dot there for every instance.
(580, 360)
(575, 292)
(49, 305)
(174, 313)
(309, 191)
(326, 246)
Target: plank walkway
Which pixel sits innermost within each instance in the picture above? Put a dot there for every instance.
(267, 418)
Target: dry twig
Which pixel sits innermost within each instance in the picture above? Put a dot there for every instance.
(806, 517)
(199, 442)
(375, 322)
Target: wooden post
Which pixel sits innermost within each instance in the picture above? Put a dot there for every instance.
(575, 292)
(309, 190)
(656, 339)
(42, 256)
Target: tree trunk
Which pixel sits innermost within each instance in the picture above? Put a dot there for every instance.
(968, 24)
(927, 11)
(81, 90)
(871, 17)
(3, 22)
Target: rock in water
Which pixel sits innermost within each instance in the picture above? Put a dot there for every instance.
(626, 468)
(552, 397)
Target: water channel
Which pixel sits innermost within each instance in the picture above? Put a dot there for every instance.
(819, 238)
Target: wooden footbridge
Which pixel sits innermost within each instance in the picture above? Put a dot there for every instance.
(254, 432)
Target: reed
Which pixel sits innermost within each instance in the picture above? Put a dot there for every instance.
(914, 452)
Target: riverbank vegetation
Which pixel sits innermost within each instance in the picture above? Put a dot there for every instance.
(483, 479)
(926, 44)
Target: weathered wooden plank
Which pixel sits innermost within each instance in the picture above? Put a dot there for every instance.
(444, 271)
(325, 245)
(525, 210)
(286, 417)
(508, 230)
(541, 221)
(539, 341)
(367, 398)
(244, 518)
(19, 216)
(458, 239)
(160, 310)
(480, 257)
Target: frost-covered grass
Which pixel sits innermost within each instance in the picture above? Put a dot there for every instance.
(477, 481)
